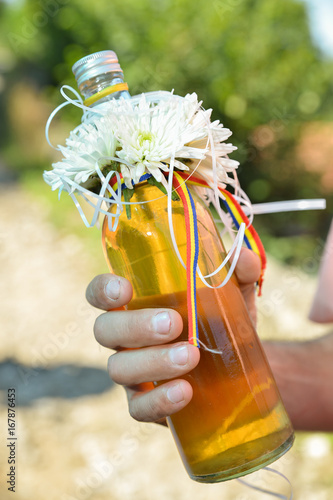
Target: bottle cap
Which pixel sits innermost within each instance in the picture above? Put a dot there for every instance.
(95, 64)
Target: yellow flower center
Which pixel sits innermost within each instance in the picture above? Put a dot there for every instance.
(144, 136)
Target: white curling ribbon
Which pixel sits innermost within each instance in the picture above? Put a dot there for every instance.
(288, 206)
(76, 102)
(236, 247)
(264, 490)
(224, 217)
(239, 194)
(71, 186)
(237, 242)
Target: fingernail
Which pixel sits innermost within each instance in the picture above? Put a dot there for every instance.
(112, 289)
(175, 394)
(179, 355)
(161, 322)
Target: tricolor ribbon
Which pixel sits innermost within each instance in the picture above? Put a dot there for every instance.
(251, 238)
(192, 255)
(114, 181)
(238, 216)
(180, 183)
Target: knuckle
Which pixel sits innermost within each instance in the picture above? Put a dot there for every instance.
(129, 326)
(113, 369)
(163, 409)
(98, 329)
(156, 411)
(153, 408)
(136, 328)
(134, 412)
(138, 323)
(95, 291)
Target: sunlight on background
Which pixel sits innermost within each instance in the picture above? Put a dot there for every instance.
(321, 17)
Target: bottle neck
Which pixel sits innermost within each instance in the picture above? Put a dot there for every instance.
(98, 89)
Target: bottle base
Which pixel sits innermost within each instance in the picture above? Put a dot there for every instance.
(248, 467)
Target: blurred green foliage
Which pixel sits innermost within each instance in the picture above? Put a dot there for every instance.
(252, 61)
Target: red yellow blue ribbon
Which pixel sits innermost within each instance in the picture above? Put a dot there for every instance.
(192, 254)
(114, 181)
(251, 238)
(238, 216)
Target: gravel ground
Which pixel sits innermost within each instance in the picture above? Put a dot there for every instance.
(76, 440)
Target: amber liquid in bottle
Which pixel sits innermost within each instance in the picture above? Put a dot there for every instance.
(235, 422)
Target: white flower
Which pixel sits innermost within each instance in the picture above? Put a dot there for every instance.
(150, 134)
(87, 146)
(142, 136)
(214, 144)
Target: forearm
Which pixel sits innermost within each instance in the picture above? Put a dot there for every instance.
(304, 375)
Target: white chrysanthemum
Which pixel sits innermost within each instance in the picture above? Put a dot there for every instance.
(87, 146)
(220, 150)
(144, 136)
(149, 135)
(222, 162)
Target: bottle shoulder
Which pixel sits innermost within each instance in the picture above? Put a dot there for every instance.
(149, 202)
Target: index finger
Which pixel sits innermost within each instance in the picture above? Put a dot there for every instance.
(108, 291)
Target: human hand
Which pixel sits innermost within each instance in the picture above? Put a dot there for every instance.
(141, 340)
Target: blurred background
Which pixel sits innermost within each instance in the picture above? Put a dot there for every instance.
(266, 69)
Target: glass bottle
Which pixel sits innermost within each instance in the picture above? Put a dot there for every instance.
(235, 422)
(98, 72)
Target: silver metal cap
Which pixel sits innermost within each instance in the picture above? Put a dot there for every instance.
(95, 64)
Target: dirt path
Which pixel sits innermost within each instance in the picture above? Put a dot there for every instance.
(75, 438)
